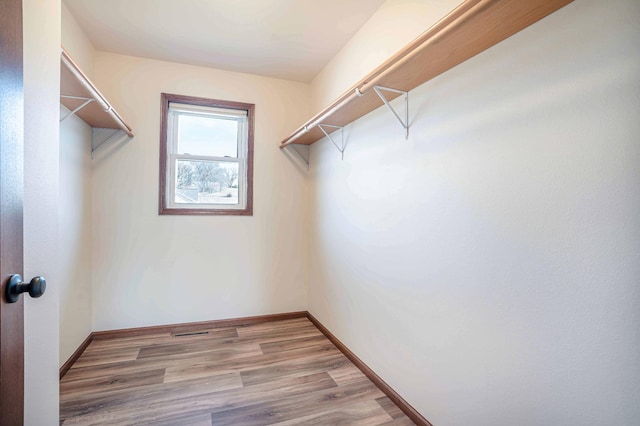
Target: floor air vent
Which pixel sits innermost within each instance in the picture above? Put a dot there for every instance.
(195, 333)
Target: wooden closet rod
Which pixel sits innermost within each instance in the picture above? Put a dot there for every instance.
(97, 97)
(448, 23)
(469, 29)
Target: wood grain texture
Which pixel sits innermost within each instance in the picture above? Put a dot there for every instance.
(11, 195)
(278, 372)
(75, 355)
(355, 414)
(471, 28)
(391, 408)
(393, 396)
(195, 326)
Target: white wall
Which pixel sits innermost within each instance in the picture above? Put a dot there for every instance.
(41, 90)
(488, 268)
(75, 234)
(394, 25)
(150, 269)
(75, 206)
(76, 42)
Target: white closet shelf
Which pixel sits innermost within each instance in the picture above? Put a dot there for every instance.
(76, 89)
(469, 29)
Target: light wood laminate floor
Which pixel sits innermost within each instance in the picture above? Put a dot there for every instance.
(281, 372)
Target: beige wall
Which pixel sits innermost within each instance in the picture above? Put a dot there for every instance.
(76, 42)
(75, 207)
(41, 99)
(150, 269)
(487, 268)
(393, 26)
(75, 234)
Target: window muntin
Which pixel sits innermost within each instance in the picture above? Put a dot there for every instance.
(207, 156)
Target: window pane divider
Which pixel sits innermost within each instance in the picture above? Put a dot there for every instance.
(206, 158)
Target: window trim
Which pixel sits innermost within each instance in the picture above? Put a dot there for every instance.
(241, 118)
(165, 207)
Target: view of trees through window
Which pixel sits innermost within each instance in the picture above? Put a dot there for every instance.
(207, 182)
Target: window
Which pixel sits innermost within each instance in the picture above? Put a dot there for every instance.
(206, 156)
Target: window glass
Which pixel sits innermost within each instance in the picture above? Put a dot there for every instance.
(206, 182)
(207, 135)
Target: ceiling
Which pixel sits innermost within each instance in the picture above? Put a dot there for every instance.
(289, 39)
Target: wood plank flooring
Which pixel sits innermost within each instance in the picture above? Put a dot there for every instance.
(274, 373)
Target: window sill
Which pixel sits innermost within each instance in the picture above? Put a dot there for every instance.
(205, 212)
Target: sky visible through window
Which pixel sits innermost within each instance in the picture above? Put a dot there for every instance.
(207, 136)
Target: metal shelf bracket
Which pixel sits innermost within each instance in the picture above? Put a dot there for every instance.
(86, 102)
(342, 145)
(404, 123)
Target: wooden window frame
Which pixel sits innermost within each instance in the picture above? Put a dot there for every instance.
(165, 100)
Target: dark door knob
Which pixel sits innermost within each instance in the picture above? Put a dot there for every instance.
(35, 287)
